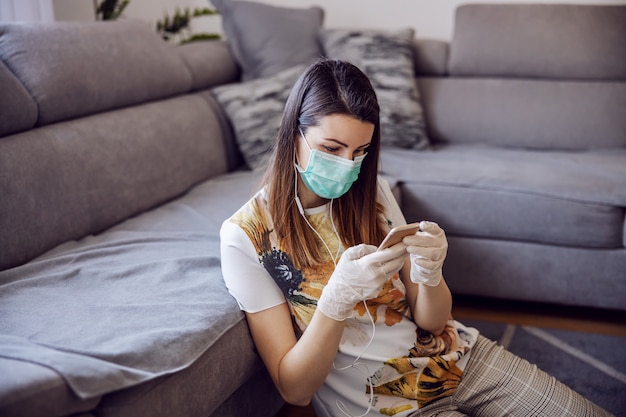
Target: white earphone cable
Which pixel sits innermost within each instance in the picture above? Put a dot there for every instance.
(358, 366)
(355, 364)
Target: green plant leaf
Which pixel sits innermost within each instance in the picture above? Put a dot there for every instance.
(201, 37)
(178, 25)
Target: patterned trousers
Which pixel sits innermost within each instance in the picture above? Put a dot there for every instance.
(498, 383)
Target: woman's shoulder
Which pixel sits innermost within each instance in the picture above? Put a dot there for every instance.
(250, 215)
(389, 197)
(251, 208)
(385, 191)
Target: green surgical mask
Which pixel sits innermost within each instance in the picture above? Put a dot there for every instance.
(329, 176)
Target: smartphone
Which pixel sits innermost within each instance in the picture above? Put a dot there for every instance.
(396, 234)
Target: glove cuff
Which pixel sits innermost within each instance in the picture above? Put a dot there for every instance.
(337, 300)
(428, 278)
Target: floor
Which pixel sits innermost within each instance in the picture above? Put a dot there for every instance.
(532, 314)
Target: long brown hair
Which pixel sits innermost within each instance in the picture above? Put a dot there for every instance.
(326, 87)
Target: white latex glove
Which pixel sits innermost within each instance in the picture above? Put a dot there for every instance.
(359, 275)
(428, 249)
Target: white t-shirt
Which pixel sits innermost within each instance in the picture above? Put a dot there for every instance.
(407, 366)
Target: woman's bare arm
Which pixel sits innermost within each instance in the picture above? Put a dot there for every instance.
(431, 306)
(297, 367)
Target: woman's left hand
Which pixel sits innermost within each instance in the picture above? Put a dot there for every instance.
(428, 249)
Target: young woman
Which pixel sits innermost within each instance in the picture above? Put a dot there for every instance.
(338, 322)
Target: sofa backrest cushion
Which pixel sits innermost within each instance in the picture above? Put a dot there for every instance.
(540, 76)
(18, 110)
(210, 63)
(130, 134)
(523, 113)
(430, 57)
(70, 179)
(562, 41)
(73, 69)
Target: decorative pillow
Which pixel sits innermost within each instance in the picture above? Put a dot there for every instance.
(255, 109)
(267, 39)
(387, 59)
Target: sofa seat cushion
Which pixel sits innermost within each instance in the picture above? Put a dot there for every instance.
(514, 270)
(565, 198)
(142, 300)
(198, 390)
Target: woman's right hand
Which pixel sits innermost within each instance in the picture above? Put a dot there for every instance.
(359, 275)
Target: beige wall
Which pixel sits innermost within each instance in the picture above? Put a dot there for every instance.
(430, 18)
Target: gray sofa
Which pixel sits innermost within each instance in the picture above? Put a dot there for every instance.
(526, 108)
(117, 167)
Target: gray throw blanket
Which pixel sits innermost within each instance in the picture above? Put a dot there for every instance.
(142, 300)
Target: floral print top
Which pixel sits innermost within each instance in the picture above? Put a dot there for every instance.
(384, 358)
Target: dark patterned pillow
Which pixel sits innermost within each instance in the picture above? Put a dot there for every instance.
(387, 59)
(255, 109)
